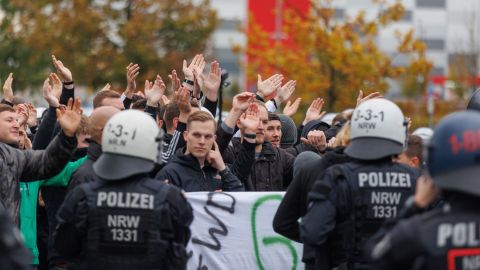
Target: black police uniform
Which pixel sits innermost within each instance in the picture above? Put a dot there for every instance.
(136, 223)
(13, 254)
(348, 205)
(444, 238)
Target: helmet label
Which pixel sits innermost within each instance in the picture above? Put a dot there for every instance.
(470, 142)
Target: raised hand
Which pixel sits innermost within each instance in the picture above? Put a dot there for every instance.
(183, 101)
(212, 82)
(7, 88)
(197, 64)
(314, 112)
(132, 73)
(316, 138)
(69, 117)
(284, 92)
(22, 114)
(291, 108)
(196, 85)
(154, 91)
(65, 73)
(266, 89)
(250, 120)
(32, 115)
(175, 81)
(361, 99)
(52, 94)
(215, 159)
(241, 101)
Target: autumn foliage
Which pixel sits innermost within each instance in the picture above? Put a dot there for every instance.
(99, 38)
(333, 59)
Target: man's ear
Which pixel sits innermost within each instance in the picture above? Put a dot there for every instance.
(185, 135)
(175, 122)
(415, 162)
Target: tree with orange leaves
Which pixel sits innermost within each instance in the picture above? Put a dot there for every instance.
(331, 59)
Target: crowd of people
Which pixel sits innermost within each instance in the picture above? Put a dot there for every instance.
(107, 191)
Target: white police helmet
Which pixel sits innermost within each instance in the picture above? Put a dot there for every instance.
(378, 129)
(130, 146)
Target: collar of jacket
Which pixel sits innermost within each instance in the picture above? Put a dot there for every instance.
(94, 150)
(191, 161)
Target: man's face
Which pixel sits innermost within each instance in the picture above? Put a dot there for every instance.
(273, 132)
(115, 102)
(263, 115)
(9, 127)
(200, 137)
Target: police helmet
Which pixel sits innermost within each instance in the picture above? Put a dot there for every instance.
(453, 158)
(474, 102)
(130, 146)
(378, 130)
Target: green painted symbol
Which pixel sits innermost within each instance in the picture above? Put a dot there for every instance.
(272, 240)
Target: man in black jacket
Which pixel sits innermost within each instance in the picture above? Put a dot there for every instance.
(97, 121)
(200, 167)
(272, 168)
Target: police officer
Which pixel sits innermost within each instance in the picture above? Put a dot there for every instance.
(449, 236)
(350, 201)
(125, 220)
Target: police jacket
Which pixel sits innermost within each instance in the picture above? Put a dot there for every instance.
(294, 202)
(135, 223)
(31, 165)
(85, 172)
(272, 170)
(184, 171)
(350, 202)
(444, 238)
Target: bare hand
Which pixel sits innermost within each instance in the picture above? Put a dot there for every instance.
(317, 139)
(175, 81)
(197, 64)
(314, 112)
(69, 117)
(132, 73)
(183, 101)
(65, 73)
(266, 89)
(52, 94)
(241, 101)
(291, 108)
(212, 83)
(215, 159)
(284, 92)
(7, 88)
(22, 114)
(426, 192)
(32, 115)
(361, 99)
(154, 91)
(250, 120)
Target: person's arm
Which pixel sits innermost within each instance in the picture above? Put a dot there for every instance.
(176, 142)
(63, 178)
(132, 73)
(51, 94)
(211, 84)
(287, 169)
(71, 216)
(65, 75)
(211, 106)
(243, 162)
(45, 164)
(230, 182)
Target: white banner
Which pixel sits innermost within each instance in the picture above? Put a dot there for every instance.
(234, 231)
